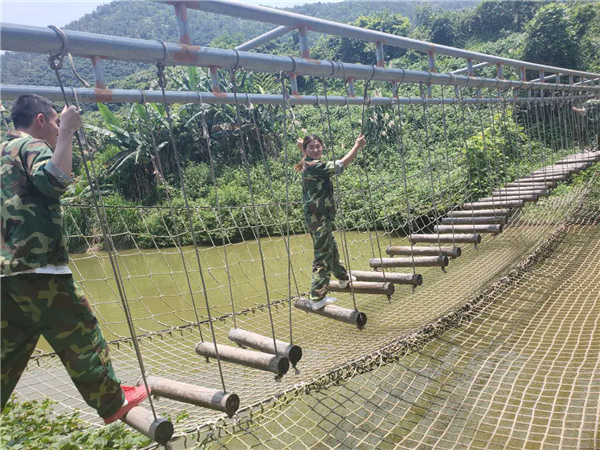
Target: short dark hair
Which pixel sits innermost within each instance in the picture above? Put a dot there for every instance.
(26, 108)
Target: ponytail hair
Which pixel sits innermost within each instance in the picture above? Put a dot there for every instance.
(307, 139)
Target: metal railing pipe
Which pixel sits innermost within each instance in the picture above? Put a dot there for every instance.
(466, 69)
(89, 95)
(278, 17)
(41, 40)
(264, 38)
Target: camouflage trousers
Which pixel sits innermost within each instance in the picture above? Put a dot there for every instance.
(52, 306)
(327, 260)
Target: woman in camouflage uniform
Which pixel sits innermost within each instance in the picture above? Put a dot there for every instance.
(319, 211)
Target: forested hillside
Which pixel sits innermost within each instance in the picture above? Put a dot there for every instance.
(150, 20)
(561, 34)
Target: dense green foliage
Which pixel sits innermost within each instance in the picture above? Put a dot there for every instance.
(133, 145)
(30, 425)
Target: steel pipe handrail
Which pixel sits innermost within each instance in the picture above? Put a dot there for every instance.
(466, 69)
(41, 40)
(264, 38)
(88, 95)
(284, 18)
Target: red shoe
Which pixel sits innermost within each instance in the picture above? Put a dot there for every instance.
(134, 395)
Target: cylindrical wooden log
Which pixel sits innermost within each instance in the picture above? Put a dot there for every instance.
(531, 184)
(494, 204)
(580, 160)
(194, 395)
(417, 261)
(334, 312)
(257, 360)
(446, 238)
(508, 198)
(452, 252)
(364, 287)
(542, 177)
(414, 279)
(493, 229)
(473, 220)
(142, 419)
(480, 213)
(265, 344)
(520, 191)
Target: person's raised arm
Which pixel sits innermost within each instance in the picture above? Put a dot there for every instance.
(360, 143)
(70, 122)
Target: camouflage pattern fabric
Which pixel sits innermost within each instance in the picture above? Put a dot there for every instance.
(32, 233)
(319, 212)
(317, 191)
(327, 260)
(53, 306)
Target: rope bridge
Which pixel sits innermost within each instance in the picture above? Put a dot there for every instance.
(461, 343)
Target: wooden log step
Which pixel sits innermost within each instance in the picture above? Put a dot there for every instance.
(474, 220)
(480, 213)
(508, 198)
(494, 204)
(446, 238)
(194, 395)
(531, 184)
(517, 196)
(141, 419)
(452, 252)
(493, 229)
(278, 365)
(265, 344)
(520, 190)
(334, 312)
(417, 261)
(541, 177)
(579, 160)
(363, 287)
(390, 277)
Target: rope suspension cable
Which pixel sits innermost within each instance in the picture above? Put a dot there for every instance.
(329, 132)
(284, 93)
(481, 114)
(363, 159)
(56, 63)
(256, 220)
(514, 148)
(541, 137)
(206, 136)
(496, 179)
(402, 149)
(157, 163)
(458, 95)
(162, 84)
(448, 168)
(260, 139)
(425, 140)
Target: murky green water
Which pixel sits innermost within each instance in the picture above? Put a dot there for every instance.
(156, 283)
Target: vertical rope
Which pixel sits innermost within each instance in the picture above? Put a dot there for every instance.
(158, 165)
(101, 214)
(162, 83)
(255, 213)
(337, 190)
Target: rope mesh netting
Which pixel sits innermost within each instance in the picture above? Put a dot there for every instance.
(496, 352)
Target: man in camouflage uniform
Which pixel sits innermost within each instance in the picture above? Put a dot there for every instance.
(319, 211)
(39, 296)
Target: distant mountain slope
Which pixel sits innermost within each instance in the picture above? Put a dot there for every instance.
(150, 20)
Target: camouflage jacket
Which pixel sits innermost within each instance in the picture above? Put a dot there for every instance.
(317, 190)
(32, 223)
